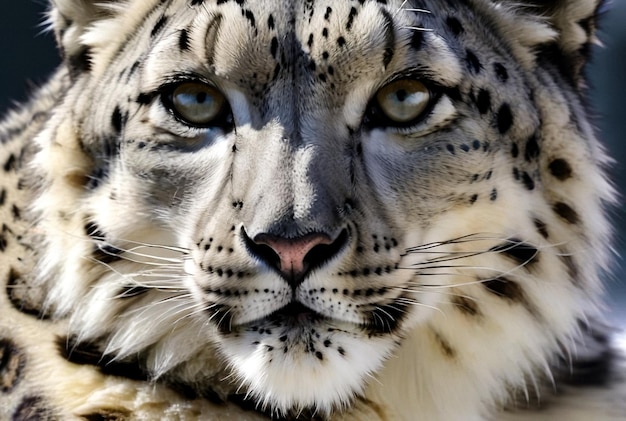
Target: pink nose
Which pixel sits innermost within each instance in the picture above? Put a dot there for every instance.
(292, 252)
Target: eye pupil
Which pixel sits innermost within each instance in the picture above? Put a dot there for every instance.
(201, 97)
(402, 95)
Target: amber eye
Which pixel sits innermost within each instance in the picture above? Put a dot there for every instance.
(403, 101)
(198, 104)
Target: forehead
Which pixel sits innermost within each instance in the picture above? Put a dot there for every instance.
(326, 41)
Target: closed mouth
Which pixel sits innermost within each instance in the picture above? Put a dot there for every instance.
(295, 312)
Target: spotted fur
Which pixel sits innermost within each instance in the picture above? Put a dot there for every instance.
(302, 254)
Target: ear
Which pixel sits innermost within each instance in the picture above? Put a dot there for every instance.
(70, 19)
(573, 23)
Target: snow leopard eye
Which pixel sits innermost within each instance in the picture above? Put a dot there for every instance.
(197, 104)
(402, 104)
(404, 100)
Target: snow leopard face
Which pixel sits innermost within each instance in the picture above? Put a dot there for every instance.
(305, 195)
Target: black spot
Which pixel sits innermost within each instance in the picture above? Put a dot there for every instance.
(445, 346)
(566, 212)
(196, 2)
(417, 40)
(528, 181)
(473, 64)
(561, 169)
(514, 150)
(10, 164)
(274, 46)
(351, 16)
(3, 196)
(341, 41)
(473, 199)
(309, 42)
(505, 118)
(144, 98)
(505, 288)
(91, 353)
(328, 13)
(522, 253)
(532, 149)
(454, 25)
(158, 26)
(250, 16)
(79, 62)
(183, 40)
(541, 227)
(501, 72)
(16, 212)
(117, 120)
(483, 101)
(107, 414)
(466, 305)
(493, 196)
(11, 364)
(32, 408)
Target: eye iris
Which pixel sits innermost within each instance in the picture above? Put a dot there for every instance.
(404, 100)
(197, 104)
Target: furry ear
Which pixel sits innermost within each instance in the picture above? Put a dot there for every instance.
(70, 19)
(573, 23)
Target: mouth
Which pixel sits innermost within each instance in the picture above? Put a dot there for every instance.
(381, 319)
(291, 315)
(294, 313)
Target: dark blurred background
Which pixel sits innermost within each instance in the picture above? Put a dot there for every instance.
(29, 55)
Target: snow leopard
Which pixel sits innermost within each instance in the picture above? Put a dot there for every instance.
(309, 210)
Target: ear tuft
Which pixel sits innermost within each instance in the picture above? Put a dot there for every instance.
(70, 19)
(574, 23)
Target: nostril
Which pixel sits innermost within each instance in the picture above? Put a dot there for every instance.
(294, 258)
(264, 253)
(320, 254)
